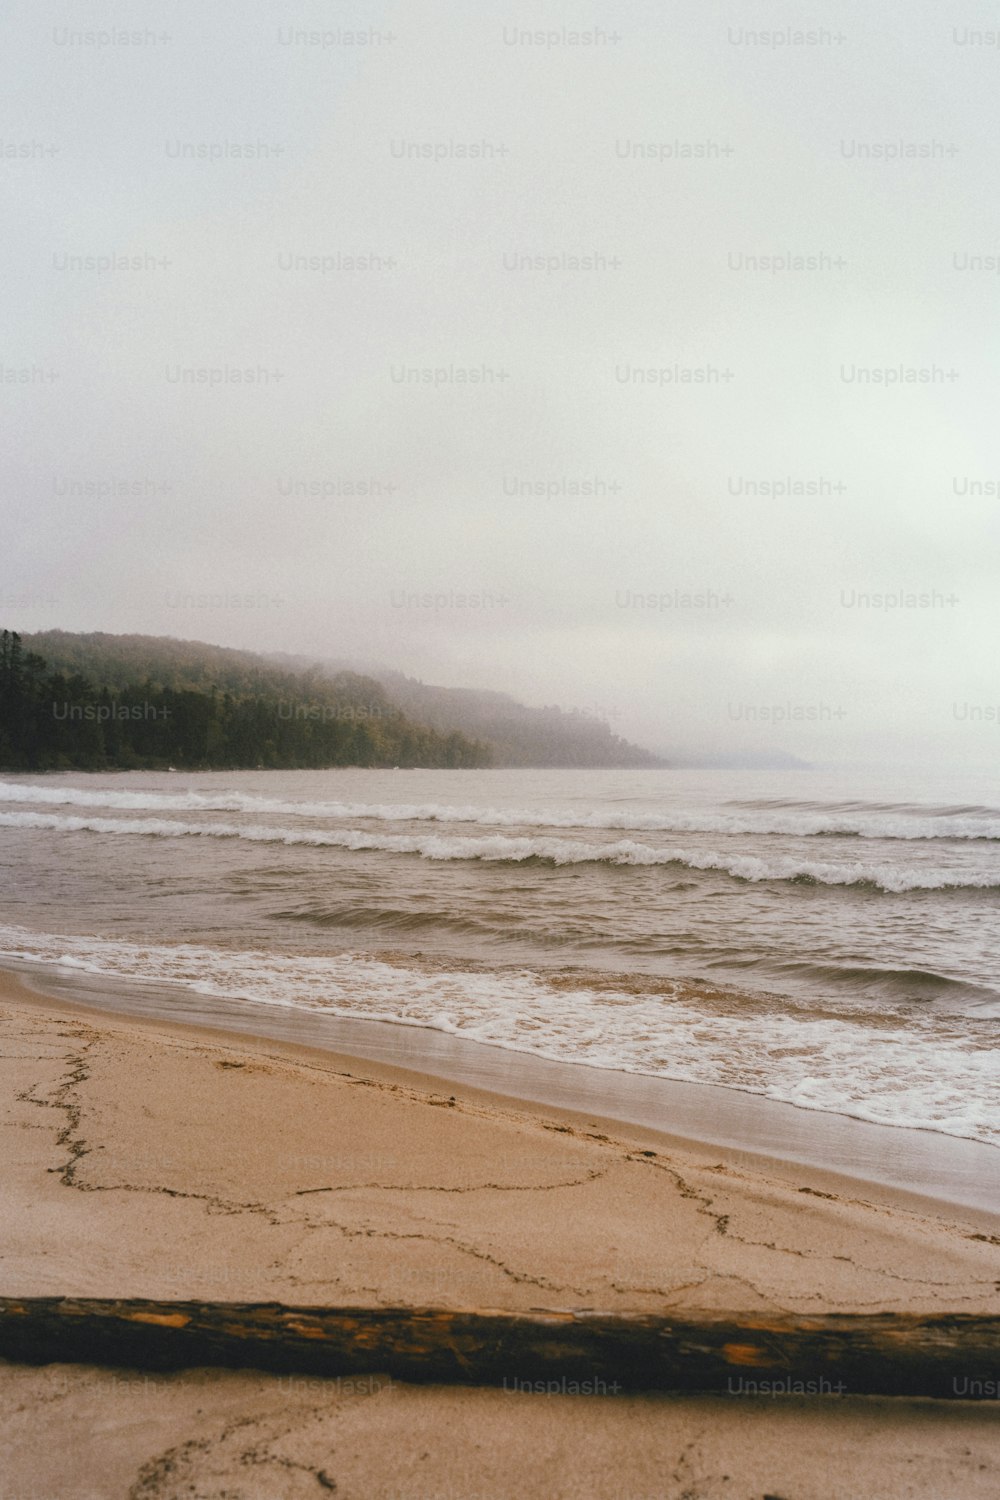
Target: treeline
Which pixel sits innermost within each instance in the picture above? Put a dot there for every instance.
(138, 703)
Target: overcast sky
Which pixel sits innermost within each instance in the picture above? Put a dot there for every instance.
(568, 235)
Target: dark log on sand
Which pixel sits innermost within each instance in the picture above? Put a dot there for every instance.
(952, 1355)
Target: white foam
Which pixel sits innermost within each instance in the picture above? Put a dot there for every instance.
(939, 1073)
(799, 823)
(557, 851)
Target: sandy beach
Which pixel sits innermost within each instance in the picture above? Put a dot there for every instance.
(147, 1159)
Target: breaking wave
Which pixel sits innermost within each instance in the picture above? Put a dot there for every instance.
(804, 820)
(501, 848)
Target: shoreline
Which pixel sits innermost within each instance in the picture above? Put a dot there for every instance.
(281, 1131)
(924, 1169)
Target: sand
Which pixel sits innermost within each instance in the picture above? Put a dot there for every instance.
(157, 1160)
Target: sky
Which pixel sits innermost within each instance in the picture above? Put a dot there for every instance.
(640, 358)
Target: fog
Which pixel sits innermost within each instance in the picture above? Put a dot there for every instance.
(642, 360)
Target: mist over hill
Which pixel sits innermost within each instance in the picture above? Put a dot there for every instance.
(520, 735)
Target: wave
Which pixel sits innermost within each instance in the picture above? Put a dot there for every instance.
(499, 848)
(391, 919)
(923, 985)
(935, 1073)
(868, 805)
(774, 816)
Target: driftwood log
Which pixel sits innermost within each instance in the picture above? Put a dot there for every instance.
(952, 1356)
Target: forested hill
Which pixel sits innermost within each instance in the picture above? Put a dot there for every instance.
(101, 701)
(138, 701)
(520, 735)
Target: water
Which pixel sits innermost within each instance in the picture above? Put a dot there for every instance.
(827, 940)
